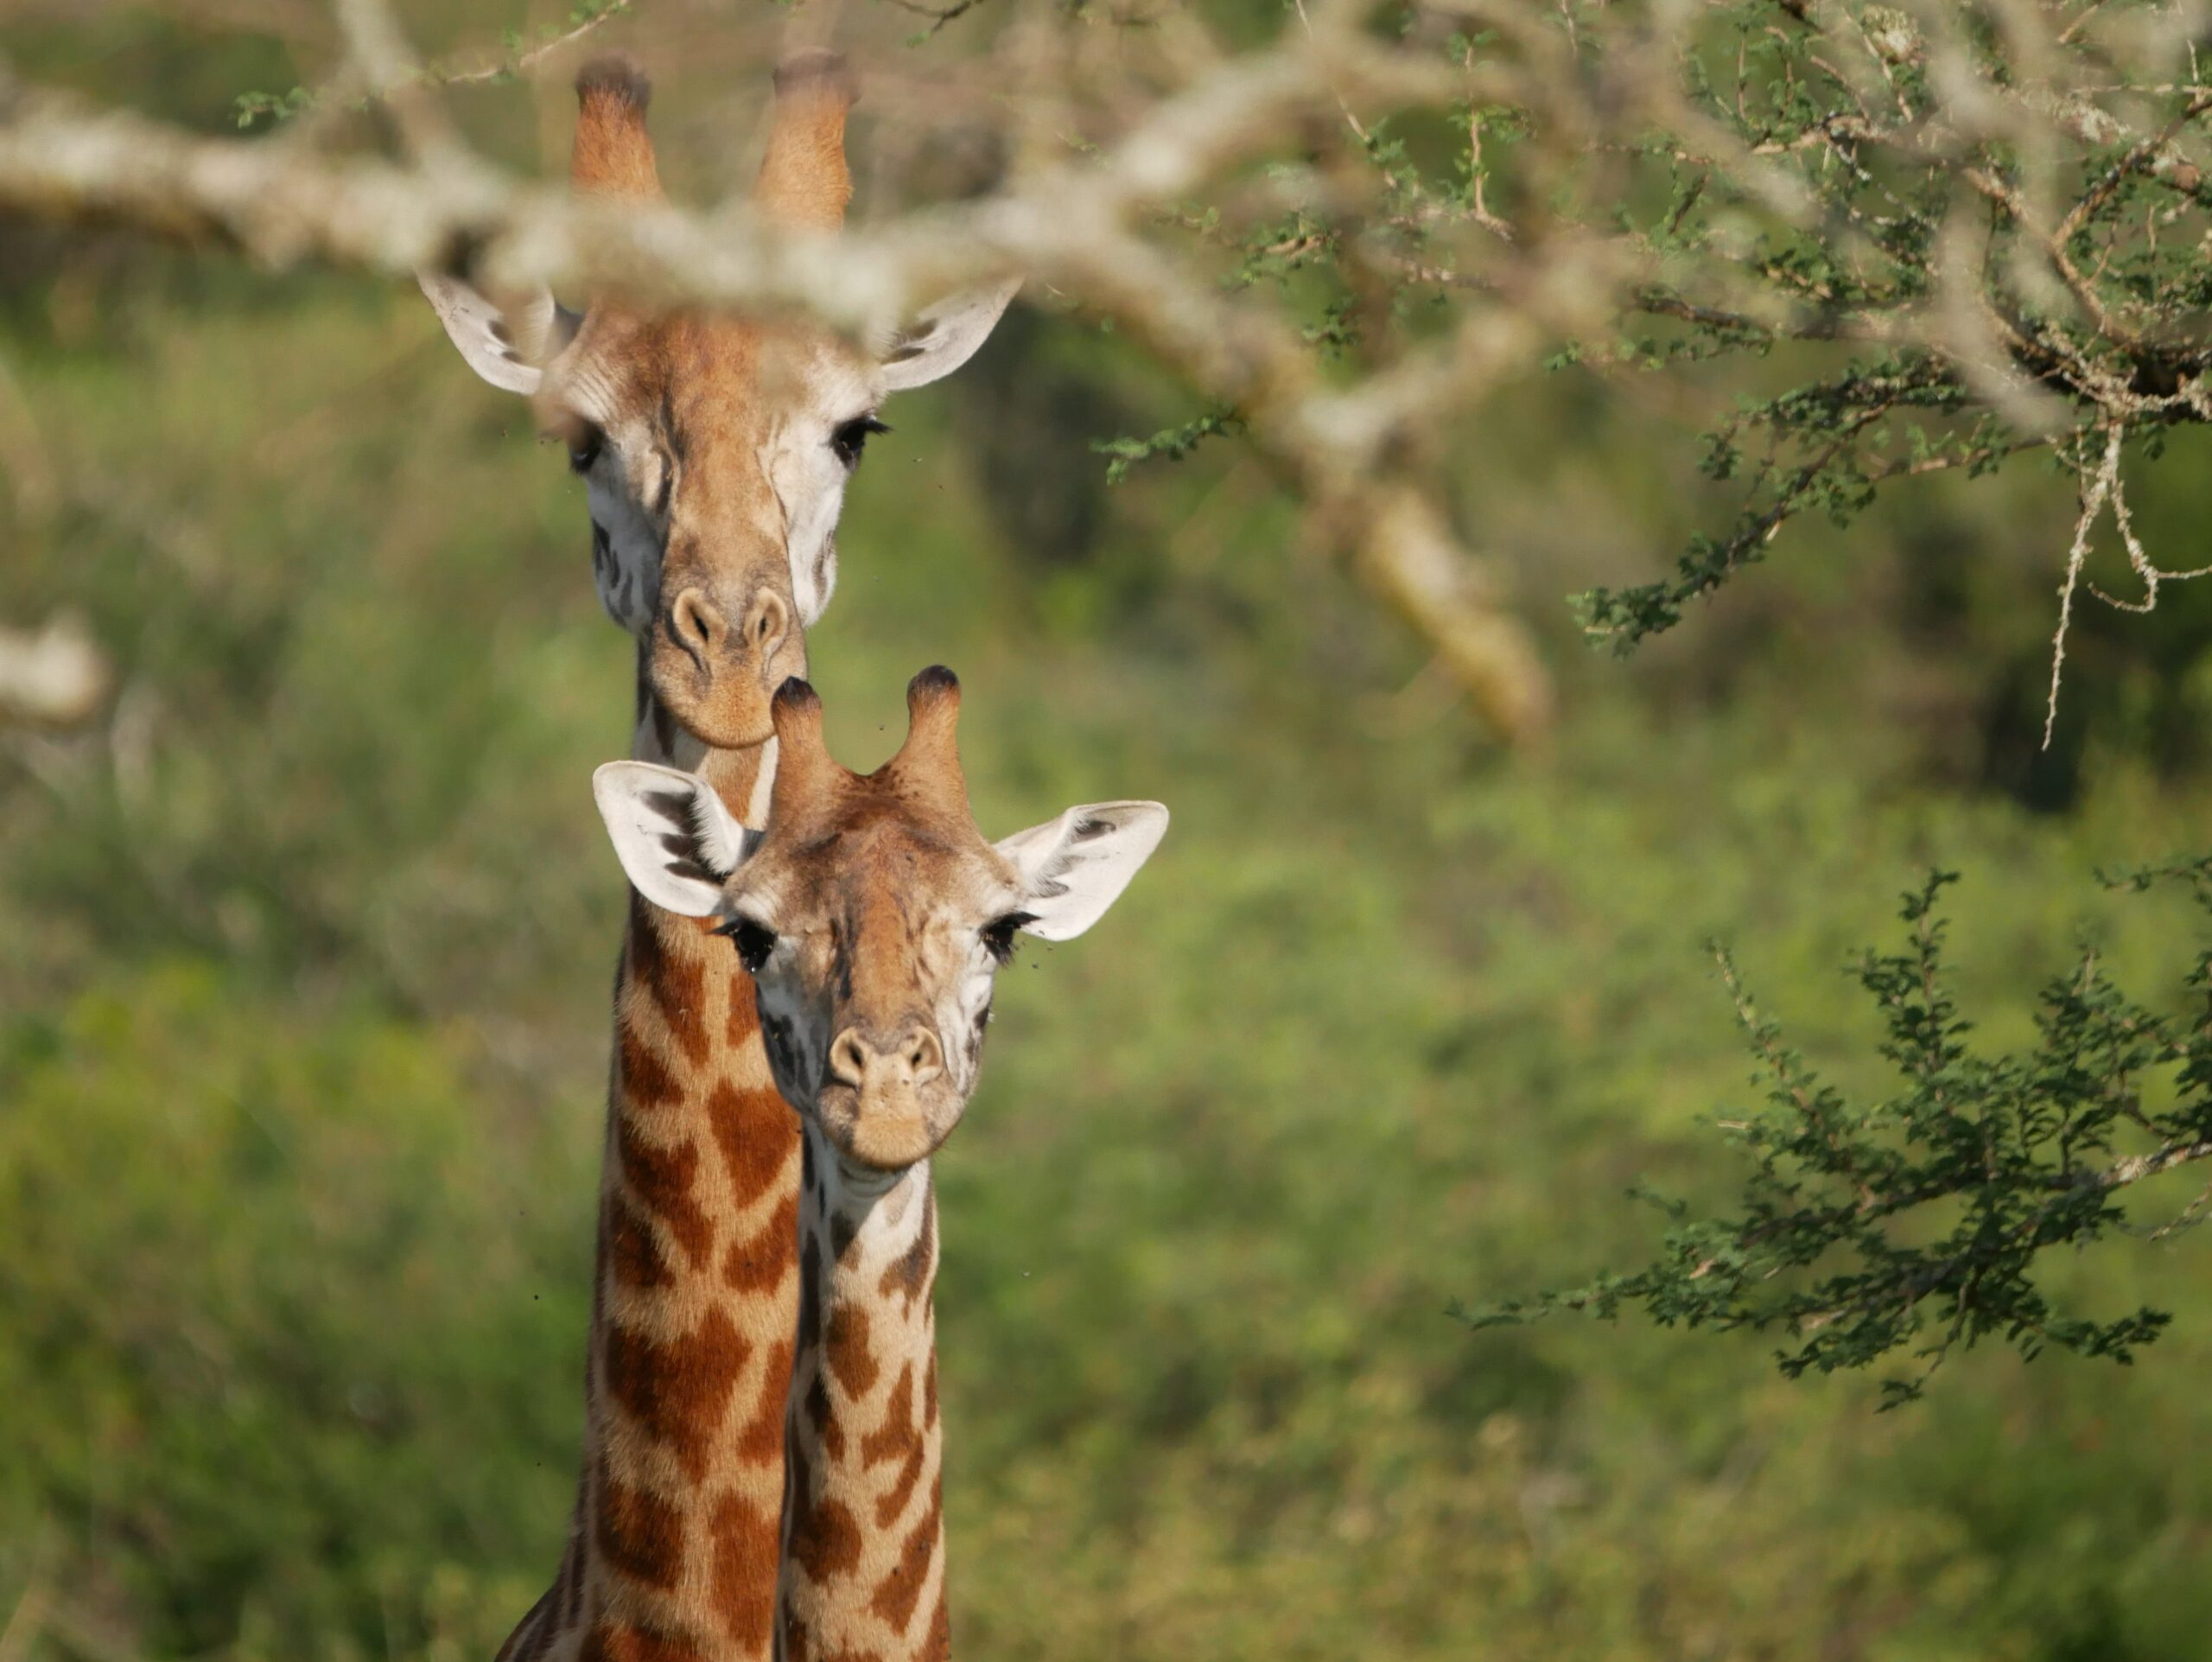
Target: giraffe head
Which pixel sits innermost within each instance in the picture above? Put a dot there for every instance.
(871, 912)
(715, 449)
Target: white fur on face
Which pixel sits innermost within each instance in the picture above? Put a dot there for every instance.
(802, 467)
(963, 1011)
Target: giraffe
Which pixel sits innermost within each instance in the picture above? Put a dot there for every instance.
(873, 917)
(715, 452)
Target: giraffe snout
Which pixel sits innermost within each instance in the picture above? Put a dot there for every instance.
(888, 1104)
(719, 652)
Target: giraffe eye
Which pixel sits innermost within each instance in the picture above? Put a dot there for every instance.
(585, 450)
(753, 942)
(998, 936)
(850, 439)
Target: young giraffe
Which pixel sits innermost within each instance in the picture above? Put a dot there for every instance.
(873, 917)
(715, 452)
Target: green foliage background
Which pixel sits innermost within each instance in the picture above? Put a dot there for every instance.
(304, 955)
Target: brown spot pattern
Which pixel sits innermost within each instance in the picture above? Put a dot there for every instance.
(632, 1253)
(746, 1544)
(757, 1264)
(661, 1176)
(679, 992)
(897, 1438)
(898, 1430)
(756, 1131)
(677, 1392)
(640, 1534)
(645, 1080)
(825, 1540)
(619, 1641)
(893, 1501)
(937, 1644)
(900, 1589)
(846, 1345)
(646, 952)
(910, 1272)
(761, 1439)
(824, 1423)
(744, 1010)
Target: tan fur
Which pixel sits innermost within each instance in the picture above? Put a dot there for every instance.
(803, 180)
(864, 1575)
(875, 918)
(674, 1551)
(880, 882)
(703, 441)
(614, 154)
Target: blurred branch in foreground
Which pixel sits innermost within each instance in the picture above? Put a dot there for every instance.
(1926, 236)
(1916, 1223)
(1076, 227)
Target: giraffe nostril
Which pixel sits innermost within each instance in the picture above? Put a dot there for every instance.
(766, 623)
(695, 626)
(848, 1059)
(923, 1058)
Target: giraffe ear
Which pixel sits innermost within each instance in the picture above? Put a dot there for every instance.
(945, 336)
(1073, 867)
(675, 838)
(509, 352)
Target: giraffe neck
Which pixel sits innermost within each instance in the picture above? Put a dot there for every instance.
(672, 1555)
(864, 1569)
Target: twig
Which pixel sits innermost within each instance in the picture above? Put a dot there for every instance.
(938, 16)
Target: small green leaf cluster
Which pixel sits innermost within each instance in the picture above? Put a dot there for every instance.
(2083, 260)
(1916, 1225)
(1172, 443)
(518, 48)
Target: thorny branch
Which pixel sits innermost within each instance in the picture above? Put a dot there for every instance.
(1968, 232)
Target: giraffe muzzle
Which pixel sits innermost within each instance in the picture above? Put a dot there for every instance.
(888, 1104)
(716, 675)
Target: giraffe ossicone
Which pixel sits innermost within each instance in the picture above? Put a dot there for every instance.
(873, 917)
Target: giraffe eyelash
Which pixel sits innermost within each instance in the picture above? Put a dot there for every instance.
(851, 437)
(998, 935)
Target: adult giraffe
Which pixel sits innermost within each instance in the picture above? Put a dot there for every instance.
(874, 918)
(715, 451)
